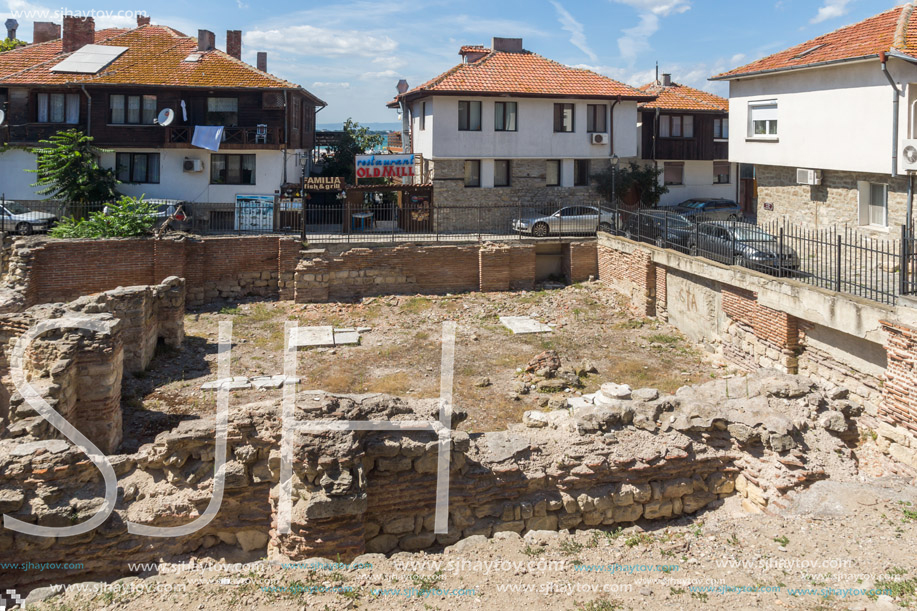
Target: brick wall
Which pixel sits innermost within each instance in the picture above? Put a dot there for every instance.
(407, 269)
(221, 267)
(899, 405)
(631, 273)
(580, 261)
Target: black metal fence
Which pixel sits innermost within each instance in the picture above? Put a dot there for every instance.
(841, 259)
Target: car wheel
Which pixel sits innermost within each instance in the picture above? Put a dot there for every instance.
(540, 230)
(692, 249)
(660, 241)
(741, 261)
(606, 227)
(628, 234)
(733, 217)
(24, 228)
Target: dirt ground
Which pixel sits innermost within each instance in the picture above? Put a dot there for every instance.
(401, 354)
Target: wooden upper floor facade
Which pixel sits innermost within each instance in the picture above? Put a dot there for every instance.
(684, 136)
(122, 116)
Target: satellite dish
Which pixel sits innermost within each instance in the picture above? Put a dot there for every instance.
(2, 117)
(166, 117)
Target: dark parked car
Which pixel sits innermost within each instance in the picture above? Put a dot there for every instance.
(702, 210)
(572, 220)
(663, 228)
(742, 244)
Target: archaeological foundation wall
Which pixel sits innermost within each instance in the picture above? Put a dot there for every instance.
(44, 270)
(412, 268)
(752, 320)
(641, 456)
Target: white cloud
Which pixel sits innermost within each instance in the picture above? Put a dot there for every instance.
(575, 28)
(330, 85)
(385, 74)
(241, 4)
(635, 40)
(322, 42)
(831, 9)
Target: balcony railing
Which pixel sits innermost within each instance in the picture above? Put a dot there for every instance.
(233, 137)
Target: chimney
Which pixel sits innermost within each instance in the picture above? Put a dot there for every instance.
(143, 20)
(11, 26)
(402, 86)
(666, 80)
(78, 32)
(507, 45)
(234, 43)
(262, 61)
(205, 40)
(43, 31)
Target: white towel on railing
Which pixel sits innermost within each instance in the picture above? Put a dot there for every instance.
(207, 137)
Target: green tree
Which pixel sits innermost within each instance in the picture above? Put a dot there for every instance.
(68, 169)
(125, 218)
(8, 44)
(636, 182)
(356, 140)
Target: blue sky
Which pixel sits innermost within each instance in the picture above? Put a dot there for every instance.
(351, 53)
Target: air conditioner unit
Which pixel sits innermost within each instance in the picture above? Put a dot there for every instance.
(192, 165)
(808, 177)
(909, 155)
(598, 138)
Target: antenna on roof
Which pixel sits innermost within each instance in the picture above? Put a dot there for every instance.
(657, 71)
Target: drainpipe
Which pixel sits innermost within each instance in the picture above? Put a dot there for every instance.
(883, 58)
(88, 110)
(611, 125)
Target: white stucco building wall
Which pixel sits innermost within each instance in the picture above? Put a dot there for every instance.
(698, 182)
(174, 183)
(829, 118)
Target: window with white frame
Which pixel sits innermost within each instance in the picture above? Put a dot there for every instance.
(762, 119)
(873, 203)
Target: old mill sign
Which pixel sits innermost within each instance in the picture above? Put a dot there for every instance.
(323, 183)
(381, 166)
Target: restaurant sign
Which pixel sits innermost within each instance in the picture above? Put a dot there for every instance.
(323, 183)
(381, 166)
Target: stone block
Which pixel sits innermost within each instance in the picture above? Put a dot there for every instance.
(629, 513)
(516, 526)
(541, 523)
(413, 543)
(677, 488)
(399, 526)
(381, 544)
(657, 509)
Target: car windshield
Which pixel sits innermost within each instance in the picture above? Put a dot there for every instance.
(691, 204)
(15, 208)
(752, 234)
(673, 220)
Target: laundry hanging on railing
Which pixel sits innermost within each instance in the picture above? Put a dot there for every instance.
(207, 137)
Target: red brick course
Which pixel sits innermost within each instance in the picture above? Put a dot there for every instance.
(61, 270)
(899, 399)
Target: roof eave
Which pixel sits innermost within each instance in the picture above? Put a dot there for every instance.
(833, 62)
(513, 94)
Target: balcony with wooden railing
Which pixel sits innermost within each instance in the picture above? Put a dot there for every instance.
(257, 137)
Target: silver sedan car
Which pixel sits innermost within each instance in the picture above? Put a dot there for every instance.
(575, 220)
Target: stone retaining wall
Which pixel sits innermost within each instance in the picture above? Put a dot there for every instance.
(756, 321)
(645, 457)
(410, 268)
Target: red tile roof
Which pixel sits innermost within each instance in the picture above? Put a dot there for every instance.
(523, 74)
(682, 97)
(155, 57)
(893, 29)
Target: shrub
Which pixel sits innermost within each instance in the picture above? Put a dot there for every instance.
(128, 217)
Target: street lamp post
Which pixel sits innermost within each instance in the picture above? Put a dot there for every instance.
(614, 173)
